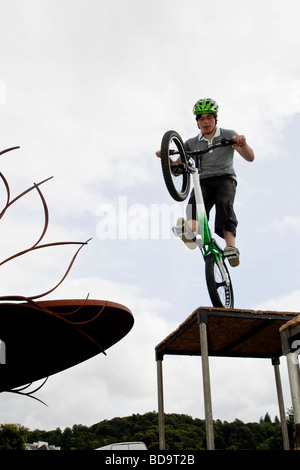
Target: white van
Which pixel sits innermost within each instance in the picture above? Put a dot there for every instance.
(125, 446)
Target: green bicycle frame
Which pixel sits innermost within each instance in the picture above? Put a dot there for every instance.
(208, 244)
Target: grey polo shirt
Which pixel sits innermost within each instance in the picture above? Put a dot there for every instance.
(216, 162)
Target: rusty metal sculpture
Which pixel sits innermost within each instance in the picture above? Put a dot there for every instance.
(36, 245)
(81, 328)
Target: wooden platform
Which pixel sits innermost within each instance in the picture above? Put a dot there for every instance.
(230, 333)
(211, 331)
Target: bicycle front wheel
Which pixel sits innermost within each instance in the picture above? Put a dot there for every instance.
(220, 291)
(174, 166)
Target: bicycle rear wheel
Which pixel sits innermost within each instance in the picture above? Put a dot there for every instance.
(220, 292)
(174, 166)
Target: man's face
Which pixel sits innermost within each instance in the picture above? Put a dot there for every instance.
(206, 123)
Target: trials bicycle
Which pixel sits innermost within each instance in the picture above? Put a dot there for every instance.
(178, 165)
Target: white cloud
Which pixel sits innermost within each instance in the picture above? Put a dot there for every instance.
(289, 302)
(287, 223)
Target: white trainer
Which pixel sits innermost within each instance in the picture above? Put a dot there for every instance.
(183, 231)
(233, 255)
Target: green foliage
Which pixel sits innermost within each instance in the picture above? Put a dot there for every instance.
(182, 432)
(13, 437)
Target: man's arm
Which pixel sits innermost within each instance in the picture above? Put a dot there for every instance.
(243, 148)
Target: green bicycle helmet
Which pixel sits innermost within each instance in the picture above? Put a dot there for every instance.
(205, 106)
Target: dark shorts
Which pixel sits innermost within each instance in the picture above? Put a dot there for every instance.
(220, 192)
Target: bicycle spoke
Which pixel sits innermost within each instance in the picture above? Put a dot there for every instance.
(218, 283)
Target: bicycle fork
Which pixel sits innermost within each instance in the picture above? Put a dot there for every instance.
(223, 271)
(217, 252)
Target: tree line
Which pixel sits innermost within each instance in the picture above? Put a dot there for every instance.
(182, 432)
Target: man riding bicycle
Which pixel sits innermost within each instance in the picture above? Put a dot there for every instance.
(217, 178)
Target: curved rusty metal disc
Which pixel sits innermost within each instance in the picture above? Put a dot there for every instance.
(47, 337)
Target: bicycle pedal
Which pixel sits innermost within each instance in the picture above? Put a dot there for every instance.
(228, 254)
(231, 253)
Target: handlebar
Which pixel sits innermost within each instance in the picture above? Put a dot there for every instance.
(220, 143)
(177, 167)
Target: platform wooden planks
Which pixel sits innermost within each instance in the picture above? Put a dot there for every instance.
(230, 333)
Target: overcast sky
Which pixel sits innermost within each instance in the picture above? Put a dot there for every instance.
(88, 89)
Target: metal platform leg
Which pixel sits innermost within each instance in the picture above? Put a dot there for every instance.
(285, 436)
(294, 378)
(290, 340)
(210, 441)
(161, 413)
(2, 352)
